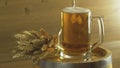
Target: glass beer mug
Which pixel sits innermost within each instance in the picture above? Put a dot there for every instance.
(74, 35)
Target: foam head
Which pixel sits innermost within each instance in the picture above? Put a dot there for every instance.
(75, 10)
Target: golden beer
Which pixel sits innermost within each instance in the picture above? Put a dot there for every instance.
(75, 22)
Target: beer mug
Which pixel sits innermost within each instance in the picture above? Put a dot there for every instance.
(74, 36)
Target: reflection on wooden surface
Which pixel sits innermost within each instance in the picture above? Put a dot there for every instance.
(19, 15)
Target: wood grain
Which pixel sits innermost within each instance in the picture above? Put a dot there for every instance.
(19, 15)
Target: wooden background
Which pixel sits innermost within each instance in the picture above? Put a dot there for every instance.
(19, 15)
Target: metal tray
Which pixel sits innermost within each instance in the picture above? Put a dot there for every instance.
(102, 58)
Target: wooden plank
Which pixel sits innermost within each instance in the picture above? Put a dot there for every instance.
(17, 64)
(19, 15)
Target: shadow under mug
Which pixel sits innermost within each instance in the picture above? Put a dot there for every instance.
(74, 35)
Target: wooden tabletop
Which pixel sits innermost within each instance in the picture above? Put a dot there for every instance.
(113, 46)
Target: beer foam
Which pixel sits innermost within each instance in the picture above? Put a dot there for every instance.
(75, 10)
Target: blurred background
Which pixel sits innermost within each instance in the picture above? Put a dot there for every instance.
(19, 15)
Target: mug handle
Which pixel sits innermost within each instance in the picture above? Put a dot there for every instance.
(101, 31)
